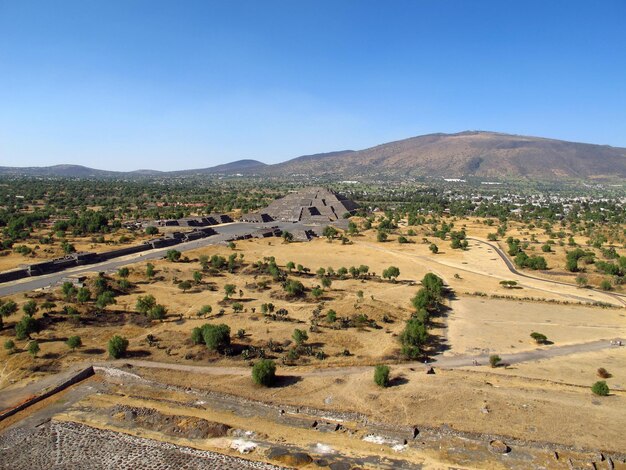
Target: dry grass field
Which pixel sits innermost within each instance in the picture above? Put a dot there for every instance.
(546, 400)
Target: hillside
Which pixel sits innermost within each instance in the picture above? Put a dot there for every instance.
(472, 153)
(482, 154)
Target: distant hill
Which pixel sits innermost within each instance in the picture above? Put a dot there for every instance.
(483, 154)
(472, 153)
(239, 166)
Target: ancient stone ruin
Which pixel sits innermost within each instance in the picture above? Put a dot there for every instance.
(310, 205)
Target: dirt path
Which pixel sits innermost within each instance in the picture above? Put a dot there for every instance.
(450, 362)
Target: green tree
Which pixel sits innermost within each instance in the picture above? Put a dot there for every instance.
(197, 277)
(33, 348)
(204, 310)
(300, 336)
(413, 338)
(30, 308)
(291, 266)
(600, 388)
(150, 270)
(105, 299)
(196, 336)
(494, 360)
(25, 327)
(331, 316)
(381, 236)
(184, 286)
(381, 375)
(329, 232)
(434, 248)
(605, 284)
(287, 236)
(216, 337)
(151, 230)
(157, 312)
(392, 272)
(145, 303)
(8, 308)
(123, 272)
(117, 346)
(264, 372)
(538, 337)
(230, 289)
(83, 295)
(173, 255)
(326, 282)
(582, 281)
(294, 288)
(9, 345)
(74, 342)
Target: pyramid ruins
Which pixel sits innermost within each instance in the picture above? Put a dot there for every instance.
(310, 205)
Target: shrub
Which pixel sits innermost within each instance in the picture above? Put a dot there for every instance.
(600, 388)
(300, 336)
(25, 327)
(331, 316)
(494, 360)
(605, 285)
(538, 337)
(603, 373)
(216, 337)
(381, 375)
(30, 308)
(196, 336)
(157, 312)
(33, 348)
(264, 372)
(74, 342)
(117, 346)
(294, 288)
(184, 286)
(9, 345)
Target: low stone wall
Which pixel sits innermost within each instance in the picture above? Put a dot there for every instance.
(74, 379)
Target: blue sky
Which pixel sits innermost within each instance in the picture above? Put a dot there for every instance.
(128, 84)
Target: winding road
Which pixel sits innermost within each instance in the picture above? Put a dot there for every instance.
(509, 264)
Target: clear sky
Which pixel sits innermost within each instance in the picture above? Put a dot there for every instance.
(128, 84)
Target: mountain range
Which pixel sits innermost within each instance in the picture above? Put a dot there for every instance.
(465, 154)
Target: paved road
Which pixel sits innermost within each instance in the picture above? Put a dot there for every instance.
(509, 264)
(225, 232)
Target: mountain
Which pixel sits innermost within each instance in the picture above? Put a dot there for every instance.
(471, 153)
(239, 166)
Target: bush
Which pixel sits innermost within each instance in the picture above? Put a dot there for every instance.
(600, 388)
(33, 348)
(9, 345)
(264, 372)
(381, 375)
(157, 312)
(216, 337)
(538, 337)
(117, 346)
(494, 360)
(300, 336)
(74, 342)
(606, 285)
(196, 336)
(25, 327)
(602, 373)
